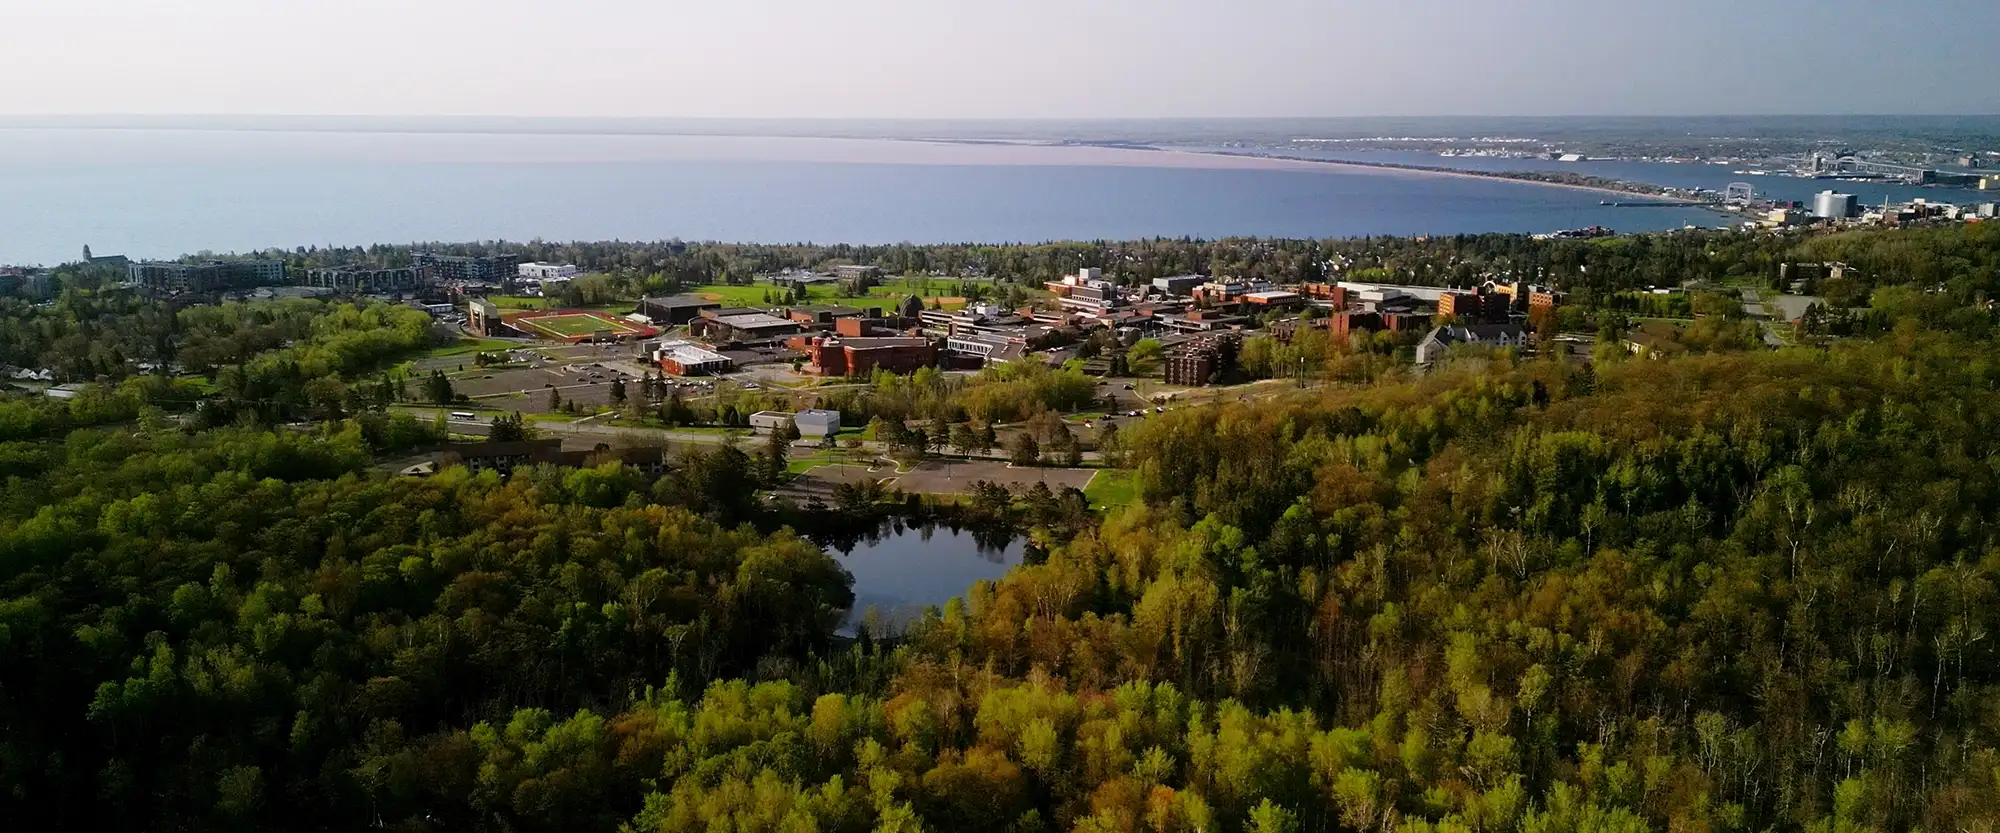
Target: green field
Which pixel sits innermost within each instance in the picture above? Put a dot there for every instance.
(572, 326)
(945, 291)
(467, 347)
(1113, 487)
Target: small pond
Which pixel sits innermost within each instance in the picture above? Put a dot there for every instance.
(900, 569)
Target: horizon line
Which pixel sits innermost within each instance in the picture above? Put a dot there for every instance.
(154, 116)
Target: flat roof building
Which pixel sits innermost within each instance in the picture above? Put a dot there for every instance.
(862, 356)
(1274, 299)
(493, 269)
(675, 310)
(547, 271)
(986, 348)
(367, 279)
(685, 358)
(1179, 285)
(816, 422)
(207, 276)
(742, 326)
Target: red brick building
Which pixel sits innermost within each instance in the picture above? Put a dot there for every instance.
(1344, 322)
(1326, 292)
(1483, 307)
(837, 356)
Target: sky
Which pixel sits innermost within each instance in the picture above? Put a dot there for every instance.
(1012, 59)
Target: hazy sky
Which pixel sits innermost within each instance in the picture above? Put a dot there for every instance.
(998, 58)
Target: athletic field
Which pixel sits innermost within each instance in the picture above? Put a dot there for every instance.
(577, 325)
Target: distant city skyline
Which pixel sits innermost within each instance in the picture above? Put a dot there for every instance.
(1026, 59)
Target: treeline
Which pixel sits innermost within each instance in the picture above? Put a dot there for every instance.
(241, 630)
(267, 361)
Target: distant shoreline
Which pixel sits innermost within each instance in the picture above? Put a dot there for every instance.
(1637, 189)
(1528, 177)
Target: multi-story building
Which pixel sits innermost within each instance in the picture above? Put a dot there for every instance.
(546, 271)
(207, 276)
(364, 279)
(494, 269)
(1346, 322)
(1543, 301)
(833, 356)
(1202, 362)
(1179, 286)
(1329, 294)
(1833, 205)
(1479, 307)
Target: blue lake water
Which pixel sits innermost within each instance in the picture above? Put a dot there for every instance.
(901, 570)
(163, 193)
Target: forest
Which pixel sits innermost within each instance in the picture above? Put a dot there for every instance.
(1748, 591)
(1727, 590)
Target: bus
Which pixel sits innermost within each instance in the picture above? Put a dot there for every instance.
(468, 415)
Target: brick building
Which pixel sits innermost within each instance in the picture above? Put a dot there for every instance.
(837, 356)
(1203, 361)
(1482, 307)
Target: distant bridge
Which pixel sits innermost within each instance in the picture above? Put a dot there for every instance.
(1827, 164)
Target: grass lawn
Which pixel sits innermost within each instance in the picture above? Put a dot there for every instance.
(571, 326)
(467, 347)
(1112, 487)
(802, 463)
(944, 291)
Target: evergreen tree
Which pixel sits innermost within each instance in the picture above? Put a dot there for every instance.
(439, 389)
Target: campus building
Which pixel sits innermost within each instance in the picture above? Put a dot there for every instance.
(1203, 361)
(834, 356)
(547, 271)
(1481, 307)
(493, 269)
(675, 310)
(483, 318)
(723, 325)
(811, 423)
(208, 276)
(363, 280)
(683, 358)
